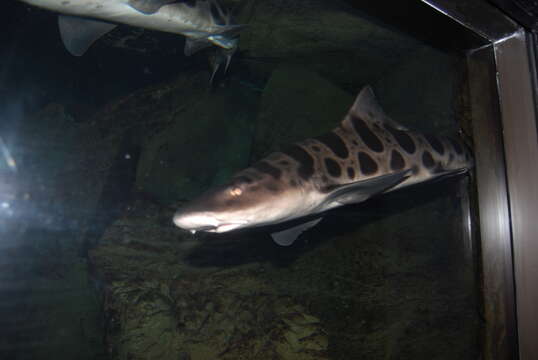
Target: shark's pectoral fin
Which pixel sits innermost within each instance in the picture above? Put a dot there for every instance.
(362, 190)
(194, 45)
(79, 34)
(288, 236)
(149, 6)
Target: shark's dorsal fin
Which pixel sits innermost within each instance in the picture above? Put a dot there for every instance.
(149, 6)
(367, 108)
(288, 236)
(360, 191)
(79, 34)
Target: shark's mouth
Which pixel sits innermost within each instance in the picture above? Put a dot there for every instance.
(224, 227)
(204, 228)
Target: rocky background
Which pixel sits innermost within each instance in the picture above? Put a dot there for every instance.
(109, 144)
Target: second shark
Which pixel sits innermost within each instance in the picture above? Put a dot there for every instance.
(202, 22)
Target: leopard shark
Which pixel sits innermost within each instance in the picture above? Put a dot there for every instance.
(202, 22)
(367, 154)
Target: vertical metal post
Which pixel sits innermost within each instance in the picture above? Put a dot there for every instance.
(500, 340)
(521, 151)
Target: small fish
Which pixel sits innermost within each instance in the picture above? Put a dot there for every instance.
(367, 154)
(203, 22)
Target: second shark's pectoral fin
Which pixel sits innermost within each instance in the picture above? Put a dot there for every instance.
(149, 6)
(288, 236)
(79, 34)
(195, 45)
(362, 190)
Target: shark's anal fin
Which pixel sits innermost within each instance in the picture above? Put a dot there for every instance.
(79, 34)
(362, 190)
(149, 6)
(288, 236)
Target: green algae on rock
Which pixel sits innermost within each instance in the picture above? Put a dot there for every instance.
(160, 307)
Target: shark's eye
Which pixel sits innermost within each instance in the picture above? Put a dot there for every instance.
(236, 191)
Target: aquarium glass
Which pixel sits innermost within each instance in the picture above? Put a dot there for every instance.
(99, 151)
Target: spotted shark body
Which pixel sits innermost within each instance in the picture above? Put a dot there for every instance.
(367, 154)
(203, 22)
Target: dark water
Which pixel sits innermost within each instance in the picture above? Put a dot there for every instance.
(109, 144)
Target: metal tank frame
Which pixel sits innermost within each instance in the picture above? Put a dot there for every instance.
(502, 90)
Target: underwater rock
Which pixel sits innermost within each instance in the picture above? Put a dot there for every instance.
(288, 28)
(207, 139)
(160, 307)
(297, 104)
(67, 165)
(440, 75)
(329, 37)
(379, 283)
(189, 136)
(387, 281)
